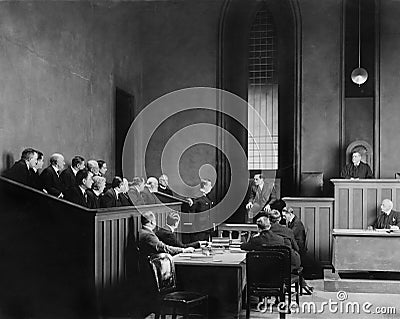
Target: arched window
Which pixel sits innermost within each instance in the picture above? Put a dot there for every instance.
(263, 93)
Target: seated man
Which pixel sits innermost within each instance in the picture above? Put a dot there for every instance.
(163, 185)
(296, 225)
(124, 196)
(150, 244)
(21, 170)
(96, 192)
(135, 191)
(388, 218)
(111, 196)
(36, 182)
(93, 167)
(265, 236)
(50, 176)
(68, 176)
(286, 234)
(356, 169)
(167, 234)
(148, 192)
(78, 193)
(261, 199)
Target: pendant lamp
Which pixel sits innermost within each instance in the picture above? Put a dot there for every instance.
(359, 75)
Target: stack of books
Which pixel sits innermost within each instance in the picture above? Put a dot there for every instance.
(220, 242)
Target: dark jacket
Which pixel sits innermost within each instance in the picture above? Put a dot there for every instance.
(287, 235)
(75, 195)
(51, 181)
(264, 238)
(36, 181)
(136, 197)
(93, 199)
(299, 232)
(19, 172)
(68, 178)
(384, 221)
(125, 199)
(149, 197)
(149, 244)
(109, 199)
(165, 190)
(361, 171)
(168, 237)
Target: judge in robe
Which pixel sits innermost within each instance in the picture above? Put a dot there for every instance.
(163, 185)
(50, 176)
(149, 191)
(261, 198)
(21, 170)
(78, 193)
(388, 218)
(135, 191)
(168, 236)
(357, 168)
(68, 176)
(111, 196)
(95, 193)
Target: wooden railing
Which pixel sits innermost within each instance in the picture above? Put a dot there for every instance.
(57, 256)
(238, 229)
(316, 213)
(358, 201)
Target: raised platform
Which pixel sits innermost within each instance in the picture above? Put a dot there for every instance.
(384, 283)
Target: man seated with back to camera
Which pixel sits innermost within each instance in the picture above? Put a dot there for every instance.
(357, 168)
(168, 236)
(388, 218)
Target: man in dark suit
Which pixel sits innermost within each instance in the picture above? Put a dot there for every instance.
(388, 218)
(149, 243)
(261, 198)
(78, 193)
(20, 171)
(357, 168)
(167, 234)
(51, 176)
(287, 235)
(135, 191)
(150, 188)
(67, 176)
(202, 204)
(111, 196)
(295, 224)
(163, 185)
(265, 237)
(124, 196)
(36, 182)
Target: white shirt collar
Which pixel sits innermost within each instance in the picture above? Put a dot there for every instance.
(82, 190)
(171, 228)
(147, 227)
(74, 170)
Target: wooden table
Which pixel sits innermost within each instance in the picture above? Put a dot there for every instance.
(221, 276)
(366, 250)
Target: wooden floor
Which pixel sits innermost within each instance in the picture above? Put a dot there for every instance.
(388, 303)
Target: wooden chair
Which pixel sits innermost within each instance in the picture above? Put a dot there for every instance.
(265, 276)
(178, 302)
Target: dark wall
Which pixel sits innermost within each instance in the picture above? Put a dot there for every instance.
(61, 61)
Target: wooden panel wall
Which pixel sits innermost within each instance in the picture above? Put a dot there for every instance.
(317, 216)
(358, 201)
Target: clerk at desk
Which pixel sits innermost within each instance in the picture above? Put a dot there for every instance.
(356, 169)
(388, 218)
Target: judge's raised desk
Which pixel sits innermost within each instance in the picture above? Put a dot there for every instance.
(64, 260)
(357, 201)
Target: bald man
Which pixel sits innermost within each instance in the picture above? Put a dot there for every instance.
(50, 176)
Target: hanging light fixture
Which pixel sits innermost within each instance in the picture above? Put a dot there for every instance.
(359, 75)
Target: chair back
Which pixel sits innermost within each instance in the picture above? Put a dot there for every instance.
(163, 270)
(264, 270)
(287, 252)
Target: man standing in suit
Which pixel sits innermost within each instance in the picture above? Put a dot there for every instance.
(202, 204)
(262, 199)
(51, 176)
(388, 218)
(356, 169)
(20, 171)
(163, 185)
(78, 193)
(67, 176)
(265, 236)
(111, 196)
(167, 234)
(135, 191)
